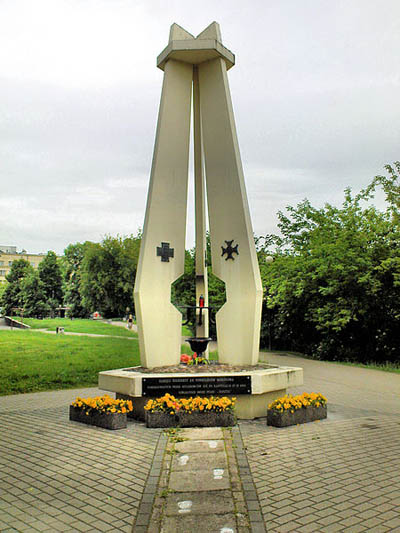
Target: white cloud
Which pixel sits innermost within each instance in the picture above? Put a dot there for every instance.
(315, 91)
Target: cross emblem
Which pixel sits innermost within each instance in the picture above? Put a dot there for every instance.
(165, 252)
(229, 250)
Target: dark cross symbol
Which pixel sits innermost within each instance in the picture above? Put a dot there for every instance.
(229, 250)
(165, 252)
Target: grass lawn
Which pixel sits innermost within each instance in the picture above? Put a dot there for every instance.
(33, 361)
(386, 367)
(186, 332)
(79, 325)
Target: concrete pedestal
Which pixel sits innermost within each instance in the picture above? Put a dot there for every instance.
(267, 384)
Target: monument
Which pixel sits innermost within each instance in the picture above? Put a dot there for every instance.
(198, 66)
(195, 68)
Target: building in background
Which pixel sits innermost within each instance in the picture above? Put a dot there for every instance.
(8, 254)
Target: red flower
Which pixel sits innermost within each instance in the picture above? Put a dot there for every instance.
(185, 358)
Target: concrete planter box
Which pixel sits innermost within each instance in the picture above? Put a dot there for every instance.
(186, 420)
(101, 420)
(161, 420)
(300, 416)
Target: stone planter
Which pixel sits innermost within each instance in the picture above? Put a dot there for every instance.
(189, 420)
(102, 420)
(300, 416)
(161, 420)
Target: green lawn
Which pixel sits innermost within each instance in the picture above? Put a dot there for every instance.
(34, 361)
(385, 367)
(186, 332)
(79, 325)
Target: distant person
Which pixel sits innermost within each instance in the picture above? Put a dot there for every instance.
(130, 322)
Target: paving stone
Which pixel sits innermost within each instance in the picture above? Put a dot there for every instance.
(61, 459)
(197, 480)
(199, 503)
(199, 461)
(204, 446)
(344, 459)
(344, 472)
(332, 528)
(202, 433)
(190, 524)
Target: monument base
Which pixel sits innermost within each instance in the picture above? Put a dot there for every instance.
(254, 389)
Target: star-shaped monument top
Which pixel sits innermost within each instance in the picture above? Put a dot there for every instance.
(183, 46)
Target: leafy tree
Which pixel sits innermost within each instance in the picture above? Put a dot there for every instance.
(50, 276)
(3, 287)
(34, 296)
(12, 296)
(333, 287)
(108, 273)
(71, 274)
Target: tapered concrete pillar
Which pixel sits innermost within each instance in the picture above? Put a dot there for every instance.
(238, 322)
(162, 253)
(202, 316)
(205, 61)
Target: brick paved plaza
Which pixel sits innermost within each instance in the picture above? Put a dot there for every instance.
(58, 475)
(341, 474)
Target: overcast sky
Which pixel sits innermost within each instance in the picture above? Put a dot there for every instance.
(315, 91)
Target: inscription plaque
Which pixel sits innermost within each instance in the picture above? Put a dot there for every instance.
(197, 386)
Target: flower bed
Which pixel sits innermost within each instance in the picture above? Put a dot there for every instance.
(102, 411)
(292, 410)
(169, 411)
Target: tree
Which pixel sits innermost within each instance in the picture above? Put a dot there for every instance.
(50, 276)
(333, 288)
(12, 296)
(34, 296)
(3, 287)
(108, 273)
(71, 275)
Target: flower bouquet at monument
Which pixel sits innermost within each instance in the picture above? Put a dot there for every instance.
(290, 410)
(185, 358)
(102, 411)
(194, 359)
(210, 411)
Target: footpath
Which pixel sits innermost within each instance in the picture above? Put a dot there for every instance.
(340, 474)
(205, 486)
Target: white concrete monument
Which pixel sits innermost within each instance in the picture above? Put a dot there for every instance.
(198, 66)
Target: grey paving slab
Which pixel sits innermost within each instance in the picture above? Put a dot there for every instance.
(204, 446)
(188, 524)
(197, 434)
(199, 461)
(217, 502)
(196, 481)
